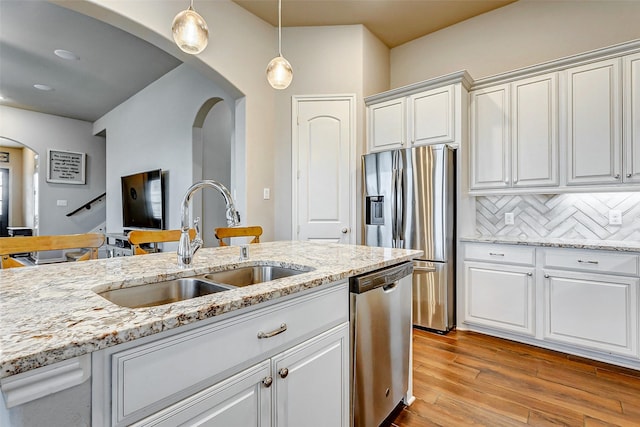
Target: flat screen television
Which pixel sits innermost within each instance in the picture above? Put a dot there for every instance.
(143, 200)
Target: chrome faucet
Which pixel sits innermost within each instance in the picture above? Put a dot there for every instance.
(187, 248)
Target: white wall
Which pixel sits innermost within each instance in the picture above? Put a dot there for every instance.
(154, 129)
(42, 131)
(326, 61)
(524, 33)
(240, 46)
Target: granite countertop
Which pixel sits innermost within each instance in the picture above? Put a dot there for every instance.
(51, 313)
(609, 245)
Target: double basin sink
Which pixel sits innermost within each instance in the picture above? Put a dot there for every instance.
(169, 291)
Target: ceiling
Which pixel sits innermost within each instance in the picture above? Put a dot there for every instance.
(393, 21)
(113, 65)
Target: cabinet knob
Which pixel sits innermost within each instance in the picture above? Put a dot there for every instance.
(283, 372)
(546, 276)
(344, 230)
(617, 176)
(529, 274)
(628, 175)
(267, 381)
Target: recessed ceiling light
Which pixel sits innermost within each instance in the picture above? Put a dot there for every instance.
(43, 87)
(65, 54)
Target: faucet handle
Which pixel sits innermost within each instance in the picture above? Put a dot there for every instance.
(196, 225)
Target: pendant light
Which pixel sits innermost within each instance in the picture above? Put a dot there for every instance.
(279, 71)
(190, 31)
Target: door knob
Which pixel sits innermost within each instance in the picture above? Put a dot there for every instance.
(344, 230)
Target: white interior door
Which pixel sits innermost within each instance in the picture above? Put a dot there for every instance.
(323, 168)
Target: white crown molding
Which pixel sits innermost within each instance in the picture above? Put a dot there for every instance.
(458, 77)
(560, 64)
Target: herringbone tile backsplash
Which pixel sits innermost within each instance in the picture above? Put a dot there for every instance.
(569, 216)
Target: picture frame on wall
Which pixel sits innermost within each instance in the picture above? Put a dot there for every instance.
(66, 167)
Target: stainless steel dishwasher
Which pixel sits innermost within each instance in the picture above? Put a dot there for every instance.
(380, 309)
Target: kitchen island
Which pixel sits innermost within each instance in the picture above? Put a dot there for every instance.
(52, 316)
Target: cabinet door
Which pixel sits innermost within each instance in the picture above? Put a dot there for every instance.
(594, 123)
(387, 125)
(631, 108)
(534, 131)
(242, 400)
(490, 154)
(500, 296)
(312, 382)
(595, 311)
(431, 116)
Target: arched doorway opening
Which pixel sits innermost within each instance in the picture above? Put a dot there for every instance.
(18, 186)
(213, 159)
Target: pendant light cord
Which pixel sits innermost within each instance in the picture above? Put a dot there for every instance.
(279, 27)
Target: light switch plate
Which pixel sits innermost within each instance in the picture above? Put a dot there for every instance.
(266, 194)
(615, 217)
(508, 218)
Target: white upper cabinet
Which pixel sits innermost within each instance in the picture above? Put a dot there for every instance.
(514, 134)
(387, 125)
(431, 116)
(631, 108)
(594, 124)
(423, 113)
(490, 149)
(534, 131)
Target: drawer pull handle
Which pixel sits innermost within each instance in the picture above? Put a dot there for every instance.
(495, 254)
(582, 261)
(267, 381)
(280, 330)
(283, 372)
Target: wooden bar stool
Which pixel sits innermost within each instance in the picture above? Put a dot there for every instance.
(141, 237)
(254, 231)
(25, 244)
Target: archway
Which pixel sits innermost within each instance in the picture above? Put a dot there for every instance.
(18, 186)
(212, 159)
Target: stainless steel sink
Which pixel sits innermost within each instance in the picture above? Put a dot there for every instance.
(245, 276)
(154, 294)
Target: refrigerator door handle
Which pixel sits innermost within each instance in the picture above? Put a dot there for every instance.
(400, 209)
(394, 208)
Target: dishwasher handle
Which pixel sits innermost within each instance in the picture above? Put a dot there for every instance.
(380, 278)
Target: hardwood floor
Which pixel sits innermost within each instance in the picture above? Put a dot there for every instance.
(466, 378)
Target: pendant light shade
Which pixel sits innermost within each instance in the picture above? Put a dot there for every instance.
(190, 31)
(279, 71)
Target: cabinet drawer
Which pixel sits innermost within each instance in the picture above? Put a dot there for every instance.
(149, 377)
(595, 261)
(511, 254)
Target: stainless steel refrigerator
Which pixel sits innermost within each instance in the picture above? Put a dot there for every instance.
(409, 202)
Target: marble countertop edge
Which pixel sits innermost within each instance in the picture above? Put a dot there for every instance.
(610, 245)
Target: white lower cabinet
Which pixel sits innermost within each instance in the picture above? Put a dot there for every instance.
(306, 385)
(312, 382)
(500, 296)
(283, 365)
(579, 301)
(241, 400)
(596, 311)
